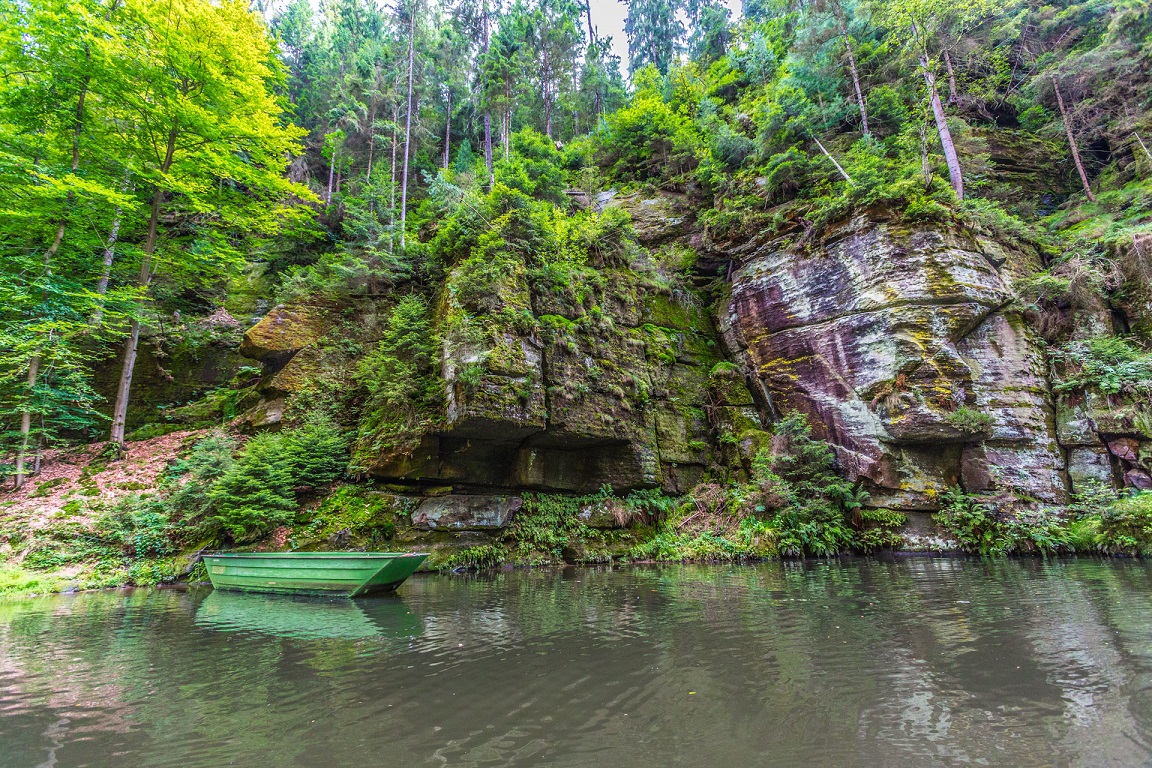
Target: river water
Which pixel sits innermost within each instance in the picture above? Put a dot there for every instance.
(908, 662)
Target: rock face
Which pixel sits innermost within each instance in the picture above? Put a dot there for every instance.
(902, 347)
(284, 341)
(903, 344)
(567, 382)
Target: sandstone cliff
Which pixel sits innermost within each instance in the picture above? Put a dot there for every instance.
(906, 345)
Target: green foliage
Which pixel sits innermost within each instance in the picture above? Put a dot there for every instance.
(1107, 364)
(649, 141)
(971, 523)
(403, 391)
(476, 557)
(535, 167)
(970, 420)
(352, 515)
(544, 526)
(315, 453)
(141, 525)
(1126, 526)
(255, 494)
(815, 518)
(188, 480)
(880, 529)
(702, 547)
(16, 581)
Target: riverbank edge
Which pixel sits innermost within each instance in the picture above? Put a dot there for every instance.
(882, 556)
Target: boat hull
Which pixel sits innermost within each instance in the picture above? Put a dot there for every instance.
(348, 574)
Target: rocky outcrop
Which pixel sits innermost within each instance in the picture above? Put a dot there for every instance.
(284, 341)
(571, 379)
(902, 346)
(902, 343)
(283, 332)
(465, 513)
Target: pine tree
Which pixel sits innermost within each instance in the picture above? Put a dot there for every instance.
(655, 34)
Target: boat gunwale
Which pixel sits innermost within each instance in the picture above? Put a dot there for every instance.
(392, 555)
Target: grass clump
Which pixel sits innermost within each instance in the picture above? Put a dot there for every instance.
(970, 420)
(16, 581)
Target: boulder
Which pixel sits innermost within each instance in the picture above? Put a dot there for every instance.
(284, 331)
(1138, 479)
(1125, 448)
(457, 512)
(302, 369)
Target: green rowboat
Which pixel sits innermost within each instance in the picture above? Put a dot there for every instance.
(347, 574)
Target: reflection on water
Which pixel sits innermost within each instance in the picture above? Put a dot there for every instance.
(914, 662)
(308, 618)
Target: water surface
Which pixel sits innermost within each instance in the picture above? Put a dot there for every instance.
(912, 662)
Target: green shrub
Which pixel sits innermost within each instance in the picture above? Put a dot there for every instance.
(813, 521)
(355, 513)
(403, 389)
(1034, 531)
(255, 494)
(316, 453)
(141, 525)
(977, 529)
(1126, 526)
(970, 420)
(16, 581)
(970, 522)
(544, 525)
(648, 141)
(880, 529)
(705, 546)
(187, 482)
(535, 167)
(475, 557)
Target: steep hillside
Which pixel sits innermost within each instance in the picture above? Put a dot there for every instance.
(835, 277)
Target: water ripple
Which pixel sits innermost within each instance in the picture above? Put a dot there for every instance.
(915, 662)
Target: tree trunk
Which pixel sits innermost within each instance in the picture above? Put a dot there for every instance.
(34, 363)
(124, 389)
(942, 128)
(407, 124)
(392, 183)
(855, 78)
(371, 140)
(1072, 141)
(331, 176)
(547, 104)
(828, 155)
(1143, 146)
(106, 269)
(507, 127)
(488, 148)
(448, 130)
(487, 111)
(26, 421)
(925, 163)
(952, 95)
(588, 14)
